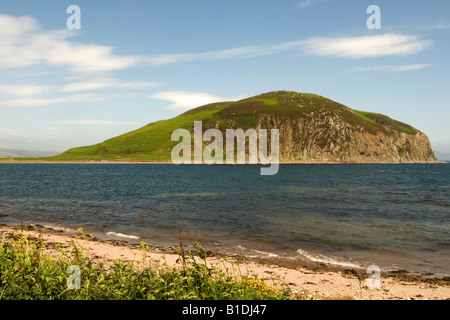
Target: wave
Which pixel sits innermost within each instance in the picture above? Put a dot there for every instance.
(327, 260)
(263, 253)
(260, 253)
(59, 228)
(318, 258)
(121, 235)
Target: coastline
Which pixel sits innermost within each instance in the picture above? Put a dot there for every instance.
(39, 161)
(313, 281)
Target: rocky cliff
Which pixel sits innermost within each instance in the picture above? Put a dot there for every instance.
(311, 129)
(330, 139)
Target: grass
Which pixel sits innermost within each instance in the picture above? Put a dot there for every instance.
(269, 101)
(379, 120)
(153, 141)
(407, 130)
(364, 116)
(31, 269)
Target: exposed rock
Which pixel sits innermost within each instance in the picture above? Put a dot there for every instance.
(332, 139)
(325, 131)
(311, 129)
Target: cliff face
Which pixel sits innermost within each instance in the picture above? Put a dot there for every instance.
(311, 128)
(330, 139)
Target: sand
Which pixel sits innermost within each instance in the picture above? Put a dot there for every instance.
(310, 282)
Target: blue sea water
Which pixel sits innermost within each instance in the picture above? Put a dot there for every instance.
(396, 216)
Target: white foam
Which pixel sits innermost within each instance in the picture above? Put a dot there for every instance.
(118, 234)
(58, 228)
(327, 260)
(273, 255)
(264, 253)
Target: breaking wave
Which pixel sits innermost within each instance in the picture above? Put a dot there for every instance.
(121, 235)
(327, 260)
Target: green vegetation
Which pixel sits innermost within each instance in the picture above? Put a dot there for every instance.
(269, 101)
(33, 269)
(153, 141)
(364, 115)
(382, 120)
(407, 130)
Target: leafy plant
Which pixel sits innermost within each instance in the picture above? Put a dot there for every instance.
(31, 269)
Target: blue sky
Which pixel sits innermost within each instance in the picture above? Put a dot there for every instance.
(135, 62)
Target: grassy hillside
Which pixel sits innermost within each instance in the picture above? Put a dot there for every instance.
(153, 142)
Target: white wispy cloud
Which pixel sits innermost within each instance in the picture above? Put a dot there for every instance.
(29, 90)
(96, 122)
(39, 102)
(436, 26)
(234, 53)
(343, 47)
(24, 43)
(107, 83)
(307, 3)
(23, 90)
(399, 68)
(366, 46)
(185, 100)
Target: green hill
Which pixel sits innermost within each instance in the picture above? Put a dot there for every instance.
(312, 128)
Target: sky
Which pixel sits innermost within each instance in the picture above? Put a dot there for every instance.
(139, 61)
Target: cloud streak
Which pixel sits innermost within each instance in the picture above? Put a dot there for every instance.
(185, 100)
(399, 68)
(28, 90)
(24, 44)
(436, 26)
(234, 53)
(39, 102)
(23, 90)
(106, 83)
(307, 3)
(365, 46)
(341, 47)
(96, 122)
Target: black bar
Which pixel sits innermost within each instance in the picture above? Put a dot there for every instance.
(221, 309)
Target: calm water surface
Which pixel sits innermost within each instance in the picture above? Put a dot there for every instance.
(395, 216)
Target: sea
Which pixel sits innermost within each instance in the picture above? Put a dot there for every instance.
(394, 216)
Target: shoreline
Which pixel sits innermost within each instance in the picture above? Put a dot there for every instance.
(311, 280)
(38, 161)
